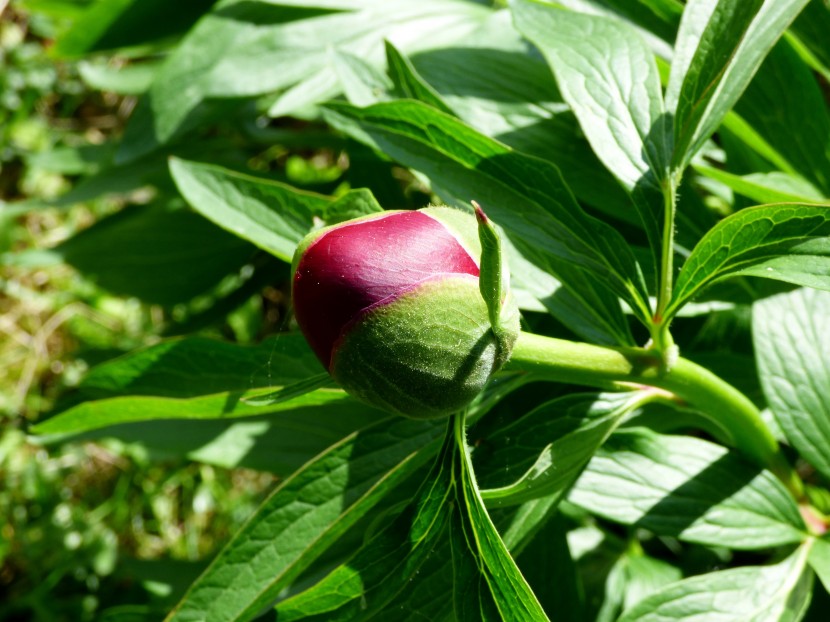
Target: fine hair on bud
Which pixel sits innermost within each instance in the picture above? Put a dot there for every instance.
(392, 306)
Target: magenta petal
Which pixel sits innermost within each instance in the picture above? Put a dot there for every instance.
(357, 265)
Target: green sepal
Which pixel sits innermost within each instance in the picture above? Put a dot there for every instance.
(491, 278)
(429, 352)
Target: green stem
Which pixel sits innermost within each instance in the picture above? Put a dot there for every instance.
(558, 360)
(660, 335)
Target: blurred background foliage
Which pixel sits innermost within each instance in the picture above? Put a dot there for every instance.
(97, 530)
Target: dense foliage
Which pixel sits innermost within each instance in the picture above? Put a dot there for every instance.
(657, 448)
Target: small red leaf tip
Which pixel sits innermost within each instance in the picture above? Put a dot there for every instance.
(480, 215)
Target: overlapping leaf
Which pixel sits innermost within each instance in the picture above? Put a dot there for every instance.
(548, 448)
(322, 500)
(232, 52)
(272, 215)
(785, 105)
(203, 379)
(486, 583)
(494, 82)
(775, 187)
(792, 341)
(128, 23)
(786, 242)
(526, 196)
(688, 488)
(609, 78)
(719, 48)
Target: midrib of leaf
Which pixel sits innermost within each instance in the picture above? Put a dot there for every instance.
(487, 546)
(686, 286)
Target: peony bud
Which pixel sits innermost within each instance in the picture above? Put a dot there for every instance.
(391, 305)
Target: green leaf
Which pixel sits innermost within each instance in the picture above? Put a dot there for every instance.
(410, 85)
(272, 215)
(160, 255)
(719, 48)
(537, 290)
(811, 27)
(819, 560)
(233, 52)
(608, 76)
(786, 242)
(633, 577)
(775, 187)
(381, 568)
(194, 366)
(792, 342)
(548, 567)
(487, 583)
(549, 446)
(780, 592)
(363, 84)
(353, 204)
(526, 196)
(495, 84)
(784, 103)
(204, 379)
(321, 501)
(224, 405)
(688, 488)
(131, 79)
(126, 23)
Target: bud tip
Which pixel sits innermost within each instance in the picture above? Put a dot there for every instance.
(480, 215)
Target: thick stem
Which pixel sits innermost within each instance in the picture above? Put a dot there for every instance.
(598, 366)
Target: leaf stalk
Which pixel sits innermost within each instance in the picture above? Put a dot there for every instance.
(558, 360)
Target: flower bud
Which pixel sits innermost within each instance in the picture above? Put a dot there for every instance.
(391, 305)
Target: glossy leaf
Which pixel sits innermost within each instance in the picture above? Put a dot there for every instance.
(381, 568)
(792, 340)
(224, 405)
(494, 82)
(204, 379)
(194, 366)
(688, 488)
(780, 592)
(272, 215)
(323, 499)
(633, 577)
(608, 76)
(408, 83)
(527, 197)
(548, 447)
(363, 84)
(487, 582)
(719, 48)
(786, 242)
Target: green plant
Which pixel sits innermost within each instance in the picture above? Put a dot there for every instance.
(657, 446)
